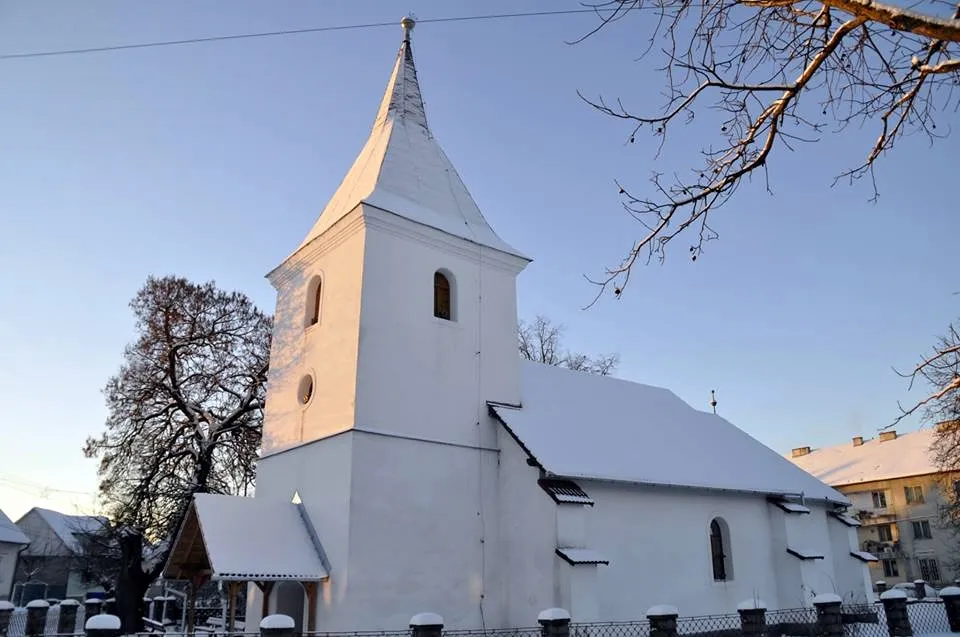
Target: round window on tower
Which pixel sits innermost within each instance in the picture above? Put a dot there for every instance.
(305, 390)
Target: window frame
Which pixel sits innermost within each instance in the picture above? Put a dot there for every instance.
(443, 284)
(313, 312)
(879, 499)
(890, 568)
(929, 569)
(914, 494)
(885, 527)
(721, 563)
(921, 530)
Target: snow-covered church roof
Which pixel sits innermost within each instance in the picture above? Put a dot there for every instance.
(403, 170)
(580, 425)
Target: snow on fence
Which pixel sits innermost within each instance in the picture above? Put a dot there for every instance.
(893, 616)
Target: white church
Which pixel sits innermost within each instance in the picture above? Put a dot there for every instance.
(412, 462)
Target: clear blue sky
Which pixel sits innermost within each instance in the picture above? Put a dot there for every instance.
(212, 161)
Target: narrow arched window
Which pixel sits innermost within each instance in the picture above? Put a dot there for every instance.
(314, 300)
(441, 296)
(717, 550)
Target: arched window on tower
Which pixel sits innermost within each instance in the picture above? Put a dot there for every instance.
(442, 296)
(720, 550)
(314, 300)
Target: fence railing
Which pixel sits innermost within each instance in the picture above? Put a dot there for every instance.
(919, 617)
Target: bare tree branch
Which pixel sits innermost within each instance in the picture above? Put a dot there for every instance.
(779, 72)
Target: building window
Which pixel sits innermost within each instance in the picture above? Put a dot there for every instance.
(921, 530)
(885, 533)
(879, 499)
(890, 568)
(305, 390)
(914, 495)
(442, 297)
(720, 550)
(956, 489)
(929, 570)
(314, 300)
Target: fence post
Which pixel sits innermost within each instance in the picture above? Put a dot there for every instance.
(895, 608)
(663, 620)
(172, 612)
(554, 622)
(829, 614)
(951, 603)
(277, 626)
(37, 618)
(67, 621)
(426, 625)
(103, 625)
(753, 617)
(881, 586)
(92, 607)
(921, 587)
(156, 608)
(6, 611)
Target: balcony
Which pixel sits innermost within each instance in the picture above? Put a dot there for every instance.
(883, 550)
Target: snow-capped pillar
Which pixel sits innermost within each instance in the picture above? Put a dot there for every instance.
(921, 587)
(426, 625)
(37, 617)
(171, 610)
(881, 586)
(951, 603)
(92, 606)
(103, 625)
(753, 617)
(829, 614)
(156, 608)
(6, 611)
(663, 620)
(277, 626)
(67, 620)
(895, 608)
(554, 622)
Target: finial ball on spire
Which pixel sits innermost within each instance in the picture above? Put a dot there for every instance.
(407, 24)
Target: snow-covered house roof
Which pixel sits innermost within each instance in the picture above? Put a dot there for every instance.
(69, 527)
(579, 425)
(403, 170)
(882, 458)
(246, 539)
(9, 532)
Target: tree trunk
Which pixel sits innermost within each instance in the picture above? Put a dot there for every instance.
(132, 583)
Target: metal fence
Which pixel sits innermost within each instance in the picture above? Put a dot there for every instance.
(868, 620)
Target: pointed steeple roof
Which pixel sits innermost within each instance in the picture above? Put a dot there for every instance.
(403, 170)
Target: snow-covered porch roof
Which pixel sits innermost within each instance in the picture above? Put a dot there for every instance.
(234, 538)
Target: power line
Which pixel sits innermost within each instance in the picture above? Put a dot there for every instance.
(267, 34)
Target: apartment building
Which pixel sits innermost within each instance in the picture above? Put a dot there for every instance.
(898, 494)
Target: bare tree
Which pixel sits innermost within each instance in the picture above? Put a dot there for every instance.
(541, 341)
(939, 373)
(185, 417)
(781, 72)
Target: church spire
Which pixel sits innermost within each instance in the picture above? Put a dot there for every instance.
(402, 170)
(402, 98)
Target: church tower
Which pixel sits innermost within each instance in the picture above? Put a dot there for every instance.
(395, 325)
